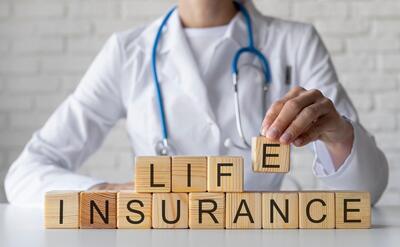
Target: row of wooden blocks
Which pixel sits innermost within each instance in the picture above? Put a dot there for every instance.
(201, 173)
(255, 210)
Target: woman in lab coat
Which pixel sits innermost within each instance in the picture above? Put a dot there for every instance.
(305, 104)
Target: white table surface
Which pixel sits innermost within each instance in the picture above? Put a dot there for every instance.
(24, 227)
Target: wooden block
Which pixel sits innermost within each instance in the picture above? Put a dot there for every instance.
(61, 209)
(317, 209)
(269, 156)
(353, 209)
(225, 174)
(98, 209)
(170, 210)
(243, 210)
(133, 209)
(189, 174)
(280, 210)
(206, 210)
(153, 174)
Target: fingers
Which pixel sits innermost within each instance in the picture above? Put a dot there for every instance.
(304, 119)
(290, 111)
(312, 134)
(276, 108)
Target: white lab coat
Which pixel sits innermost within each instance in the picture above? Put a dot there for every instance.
(119, 85)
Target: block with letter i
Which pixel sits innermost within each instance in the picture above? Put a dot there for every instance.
(269, 156)
(170, 210)
(133, 210)
(353, 209)
(225, 174)
(206, 210)
(189, 174)
(98, 209)
(61, 209)
(280, 210)
(153, 174)
(243, 210)
(317, 209)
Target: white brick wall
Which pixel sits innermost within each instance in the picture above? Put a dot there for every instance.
(46, 46)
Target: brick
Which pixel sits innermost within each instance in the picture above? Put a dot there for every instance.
(388, 100)
(378, 121)
(66, 65)
(45, 10)
(32, 120)
(85, 45)
(48, 102)
(38, 45)
(352, 63)
(362, 101)
(282, 8)
(90, 9)
(342, 27)
(19, 66)
(4, 10)
(10, 28)
(376, 9)
(373, 81)
(33, 84)
(306, 10)
(143, 10)
(384, 27)
(62, 27)
(390, 62)
(363, 44)
(16, 103)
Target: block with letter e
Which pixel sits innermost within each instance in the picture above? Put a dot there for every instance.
(269, 156)
(153, 174)
(353, 209)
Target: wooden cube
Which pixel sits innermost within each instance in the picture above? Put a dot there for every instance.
(353, 209)
(61, 209)
(280, 210)
(189, 174)
(170, 210)
(98, 209)
(225, 174)
(153, 174)
(243, 210)
(206, 210)
(133, 209)
(317, 209)
(269, 156)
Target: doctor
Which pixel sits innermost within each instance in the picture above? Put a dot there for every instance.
(194, 112)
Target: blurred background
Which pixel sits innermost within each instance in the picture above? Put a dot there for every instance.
(47, 45)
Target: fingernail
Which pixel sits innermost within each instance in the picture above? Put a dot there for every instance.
(263, 131)
(286, 137)
(272, 133)
(298, 142)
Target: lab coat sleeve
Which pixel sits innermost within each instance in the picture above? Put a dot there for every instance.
(366, 168)
(73, 132)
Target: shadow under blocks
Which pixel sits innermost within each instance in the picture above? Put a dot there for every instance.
(207, 193)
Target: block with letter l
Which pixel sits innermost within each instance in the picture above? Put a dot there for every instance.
(153, 174)
(269, 156)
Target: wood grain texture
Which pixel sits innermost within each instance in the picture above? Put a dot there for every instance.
(243, 210)
(61, 209)
(189, 174)
(225, 174)
(133, 210)
(353, 209)
(269, 156)
(153, 174)
(170, 210)
(318, 207)
(206, 210)
(98, 209)
(280, 210)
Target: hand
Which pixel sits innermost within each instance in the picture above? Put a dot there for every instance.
(303, 116)
(109, 186)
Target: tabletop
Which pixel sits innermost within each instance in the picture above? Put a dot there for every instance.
(24, 227)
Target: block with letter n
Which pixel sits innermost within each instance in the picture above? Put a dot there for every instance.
(269, 156)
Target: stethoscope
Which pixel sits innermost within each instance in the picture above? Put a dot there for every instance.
(163, 147)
